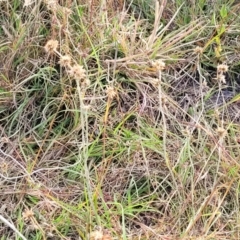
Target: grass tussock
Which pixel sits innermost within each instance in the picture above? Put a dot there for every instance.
(119, 119)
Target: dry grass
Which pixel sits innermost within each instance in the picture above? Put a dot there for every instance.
(119, 120)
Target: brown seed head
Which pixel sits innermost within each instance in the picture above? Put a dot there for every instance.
(52, 4)
(222, 68)
(65, 61)
(85, 83)
(221, 78)
(27, 214)
(198, 50)
(111, 93)
(51, 46)
(221, 132)
(159, 64)
(77, 72)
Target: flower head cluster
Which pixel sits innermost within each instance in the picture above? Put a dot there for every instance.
(99, 235)
(111, 93)
(27, 3)
(155, 82)
(75, 71)
(78, 73)
(221, 69)
(27, 214)
(65, 61)
(221, 132)
(159, 64)
(51, 46)
(198, 50)
(51, 4)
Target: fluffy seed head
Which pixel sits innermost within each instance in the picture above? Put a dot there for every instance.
(77, 72)
(51, 46)
(51, 4)
(111, 93)
(65, 61)
(164, 100)
(198, 50)
(67, 11)
(27, 3)
(159, 64)
(27, 214)
(221, 132)
(222, 68)
(155, 82)
(221, 78)
(96, 235)
(85, 83)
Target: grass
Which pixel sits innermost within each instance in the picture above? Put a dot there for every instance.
(119, 119)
